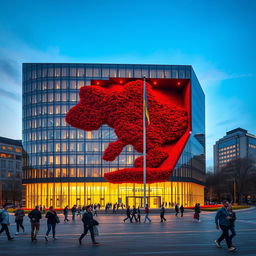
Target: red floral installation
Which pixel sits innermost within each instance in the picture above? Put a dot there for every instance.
(121, 108)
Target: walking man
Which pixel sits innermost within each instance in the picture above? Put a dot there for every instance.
(138, 214)
(162, 212)
(181, 210)
(177, 210)
(89, 222)
(5, 221)
(222, 222)
(146, 214)
(35, 216)
(128, 214)
(65, 213)
(134, 212)
(19, 215)
(73, 210)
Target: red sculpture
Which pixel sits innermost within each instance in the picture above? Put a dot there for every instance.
(121, 108)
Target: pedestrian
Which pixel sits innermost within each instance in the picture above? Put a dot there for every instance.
(35, 216)
(19, 215)
(128, 214)
(73, 211)
(146, 214)
(79, 211)
(232, 220)
(65, 213)
(134, 212)
(95, 213)
(162, 212)
(115, 208)
(5, 221)
(181, 210)
(52, 220)
(177, 210)
(138, 214)
(89, 223)
(197, 211)
(222, 221)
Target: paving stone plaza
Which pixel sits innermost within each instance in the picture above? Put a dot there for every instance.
(177, 236)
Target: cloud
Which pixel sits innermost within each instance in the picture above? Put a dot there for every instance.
(10, 95)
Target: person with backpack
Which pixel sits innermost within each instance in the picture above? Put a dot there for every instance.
(89, 223)
(52, 220)
(19, 215)
(222, 221)
(35, 217)
(5, 221)
(162, 212)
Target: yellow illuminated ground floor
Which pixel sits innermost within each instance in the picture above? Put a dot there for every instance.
(83, 193)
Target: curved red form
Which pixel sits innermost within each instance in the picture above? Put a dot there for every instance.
(121, 107)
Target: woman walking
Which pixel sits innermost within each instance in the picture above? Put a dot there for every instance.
(19, 215)
(52, 220)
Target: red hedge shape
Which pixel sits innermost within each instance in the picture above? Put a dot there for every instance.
(121, 108)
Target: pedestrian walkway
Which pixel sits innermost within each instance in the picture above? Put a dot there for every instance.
(177, 236)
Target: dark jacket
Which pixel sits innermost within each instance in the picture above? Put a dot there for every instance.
(181, 209)
(51, 217)
(221, 217)
(162, 210)
(19, 214)
(197, 209)
(35, 216)
(128, 212)
(65, 211)
(88, 220)
(233, 219)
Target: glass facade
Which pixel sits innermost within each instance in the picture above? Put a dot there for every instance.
(64, 165)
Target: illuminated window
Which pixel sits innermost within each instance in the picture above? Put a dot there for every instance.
(57, 147)
(80, 72)
(57, 172)
(50, 110)
(57, 159)
(63, 160)
(80, 159)
(64, 172)
(72, 172)
(63, 134)
(73, 97)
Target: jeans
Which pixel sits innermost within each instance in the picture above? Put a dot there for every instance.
(162, 217)
(134, 216)
(128, 217)
(34, 230)
(6, 229)
(86, 228)
(225, 235)
(49, 227)
(73, 215)
(233, 233)
(19, 223)
(147, 218)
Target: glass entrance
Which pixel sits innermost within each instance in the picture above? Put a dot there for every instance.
(153, 201)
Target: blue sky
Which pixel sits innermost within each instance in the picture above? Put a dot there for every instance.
(217, 38)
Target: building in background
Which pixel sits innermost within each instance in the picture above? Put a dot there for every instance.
(237, 143)
(64, 165)
(10, 171)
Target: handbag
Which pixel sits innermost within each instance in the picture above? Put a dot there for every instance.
(96, 230)
(57, 219)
